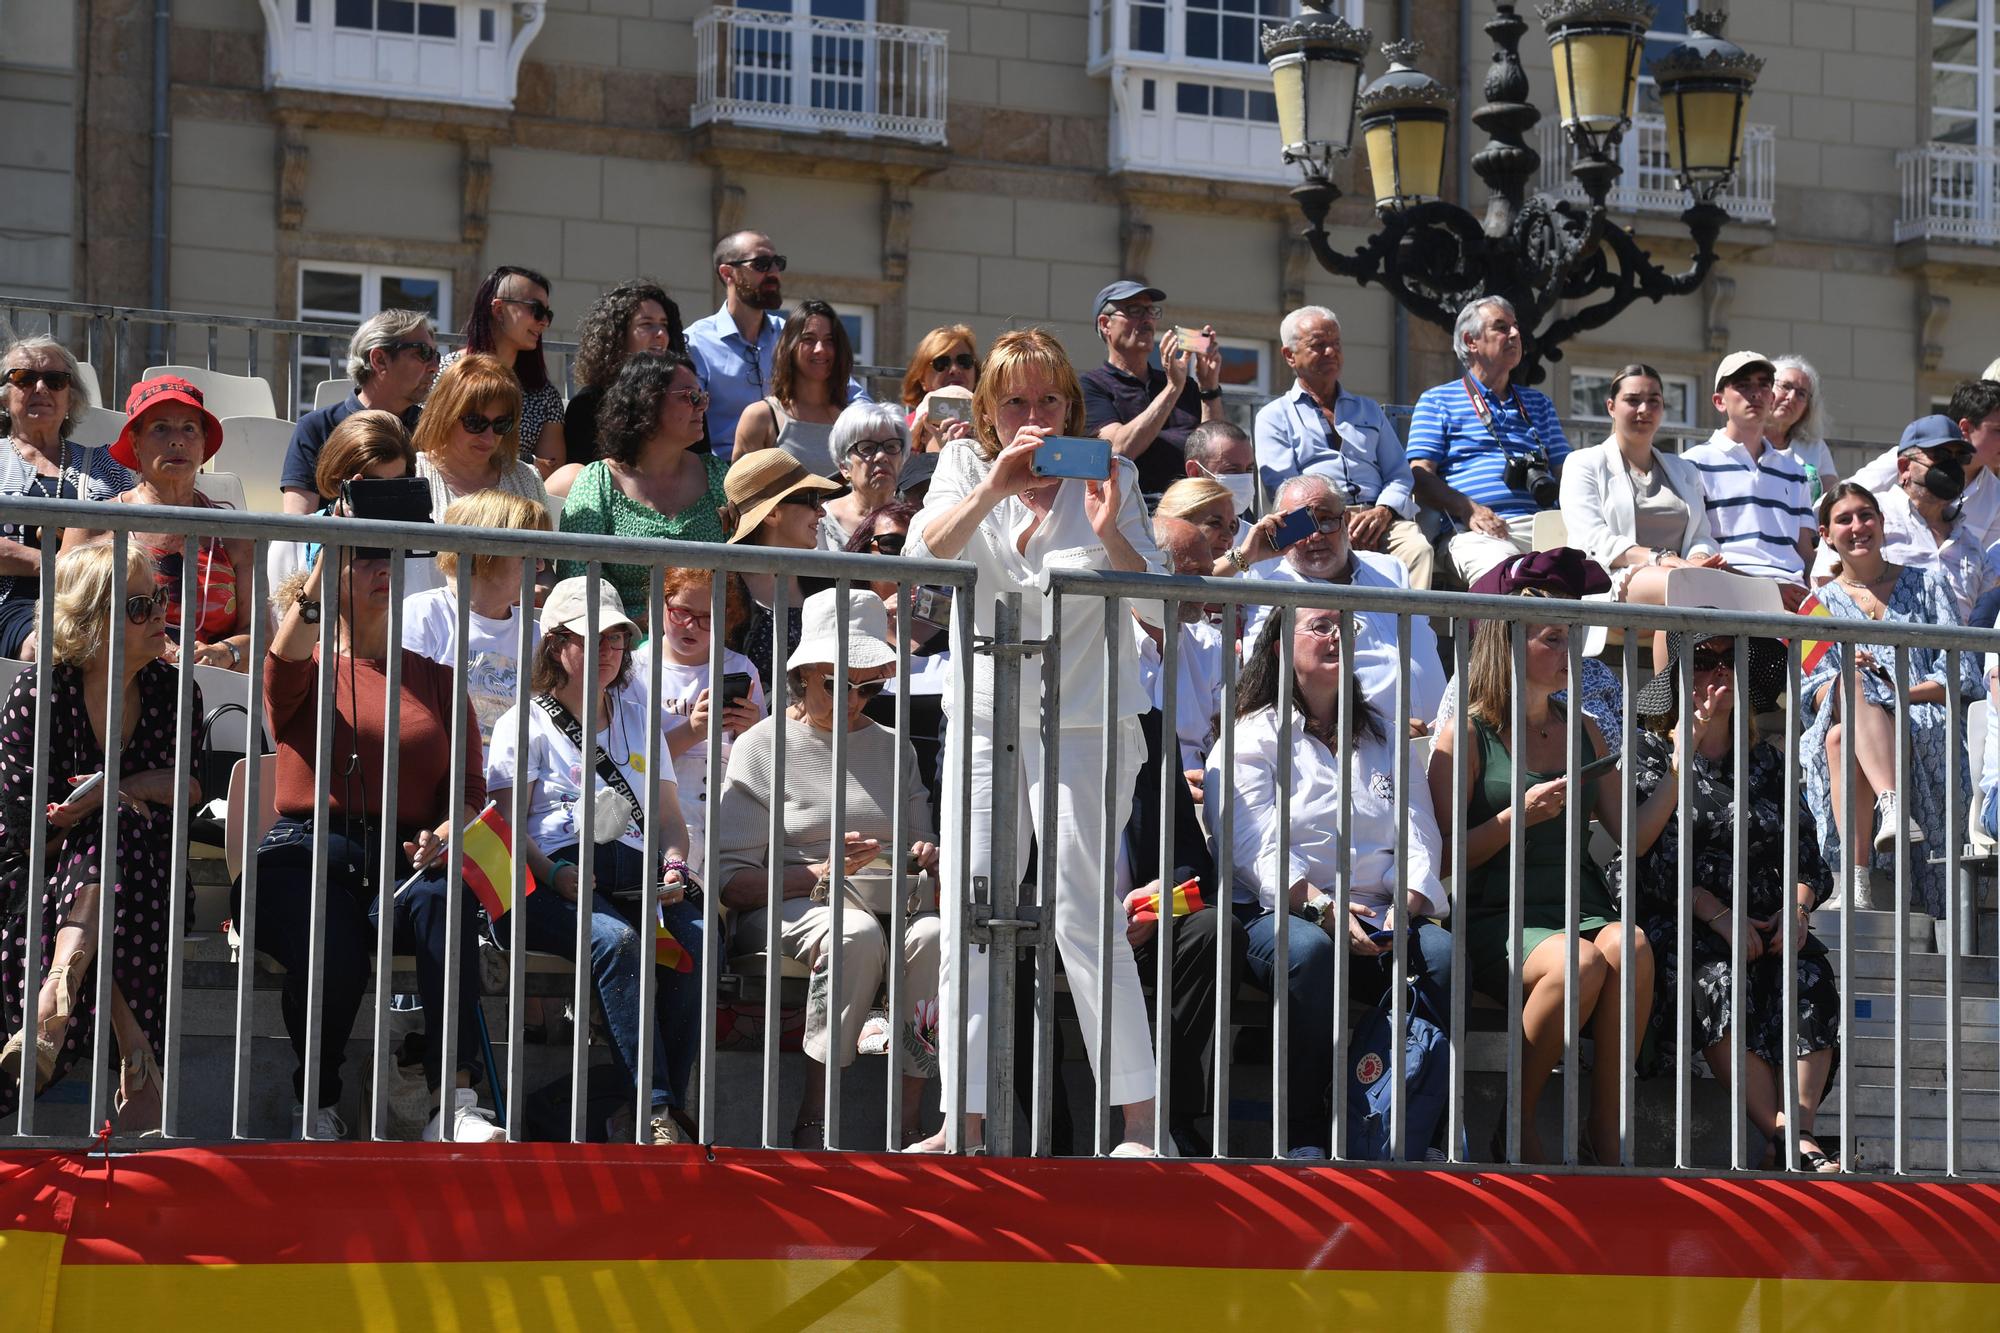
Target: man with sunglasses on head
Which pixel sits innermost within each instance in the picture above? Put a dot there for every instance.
(1144, 410)
(731, 349)
(1321, 428)
(392, 360)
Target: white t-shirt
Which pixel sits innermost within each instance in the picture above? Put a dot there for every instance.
(557, 769)
(680, 686)
(430, 621)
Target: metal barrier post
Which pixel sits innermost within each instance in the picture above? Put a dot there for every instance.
(994, 929)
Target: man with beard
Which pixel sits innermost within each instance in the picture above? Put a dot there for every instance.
(392, 360)
(732, 348)
(1329, 557)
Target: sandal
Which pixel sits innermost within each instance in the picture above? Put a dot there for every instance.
(1815, 1160)
(137, 1109)
(45, 1058)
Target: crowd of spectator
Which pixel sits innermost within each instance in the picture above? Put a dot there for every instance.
(747, 427)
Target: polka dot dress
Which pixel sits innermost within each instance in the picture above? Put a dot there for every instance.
(74, 856)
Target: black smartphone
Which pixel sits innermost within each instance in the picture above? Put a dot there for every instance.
(735, 687)
(387, 499)
(1597, 767)
(1294, 527)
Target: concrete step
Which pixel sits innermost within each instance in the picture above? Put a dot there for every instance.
(1978, 1114)
(1880, 1052)
(1975, 972)
(1877, 930)
(1978, 1016)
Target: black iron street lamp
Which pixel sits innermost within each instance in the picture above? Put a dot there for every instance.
(1433, 256)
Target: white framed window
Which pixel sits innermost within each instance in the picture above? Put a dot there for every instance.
(466, 51)
(1589, 388)
(1218, 34)
(335, 290)
(1204, 126)
(860, 322)
(1965, 72)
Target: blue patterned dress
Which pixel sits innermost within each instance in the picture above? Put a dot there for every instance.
(1920, 597)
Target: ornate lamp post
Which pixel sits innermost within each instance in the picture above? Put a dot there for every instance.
(1537, 251)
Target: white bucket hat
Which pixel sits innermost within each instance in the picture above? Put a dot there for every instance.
(820, 628)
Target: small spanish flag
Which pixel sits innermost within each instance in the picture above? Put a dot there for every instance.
(667, 950)
(489, 863)
(1187, 898)
(1811, 651)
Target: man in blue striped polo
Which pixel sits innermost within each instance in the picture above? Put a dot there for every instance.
(1485, 452)
(1759, 501)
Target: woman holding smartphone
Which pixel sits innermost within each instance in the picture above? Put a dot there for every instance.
(987, 504)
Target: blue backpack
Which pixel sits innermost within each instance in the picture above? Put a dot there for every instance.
(1427, 1083)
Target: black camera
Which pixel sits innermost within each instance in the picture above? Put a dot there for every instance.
(1526, 472)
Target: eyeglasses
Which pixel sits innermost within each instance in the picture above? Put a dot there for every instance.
(887, 543)
(535, 308)
(762, 263)
(863, 690)
(141, 609)
(426, 352)
(477, 423)
(1321, 628)
(963, 361)
(23, 377)
(688, 619)
(1713, 659)
(810, 499)
(1797, 390)
(870, 450)
(1137, 312)
(696, 399)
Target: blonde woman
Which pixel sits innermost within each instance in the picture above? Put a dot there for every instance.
(93, 599)
(1211, 507)
(986, 505)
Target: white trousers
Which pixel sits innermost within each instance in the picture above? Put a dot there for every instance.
(1473, 553)
(1078, 846)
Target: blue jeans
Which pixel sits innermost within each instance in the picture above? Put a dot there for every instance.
(1989, 813)
(617, 947)
(1310, 981)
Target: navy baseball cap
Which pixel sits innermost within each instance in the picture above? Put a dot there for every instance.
(1124, 290)
(1933, 432)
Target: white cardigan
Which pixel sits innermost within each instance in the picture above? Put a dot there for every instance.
(1597, 503)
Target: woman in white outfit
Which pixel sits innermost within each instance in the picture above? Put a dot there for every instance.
(987, 506)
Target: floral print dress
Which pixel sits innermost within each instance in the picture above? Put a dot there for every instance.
(1657, 879)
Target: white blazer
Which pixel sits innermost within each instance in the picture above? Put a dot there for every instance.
(1597, 503)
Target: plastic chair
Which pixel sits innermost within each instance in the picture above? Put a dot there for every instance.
(330, 392)
(225, 488)
(1550, 530)
(254, 449)
(1720, 590)
(97, 426)
(223, 394)
(87, 375)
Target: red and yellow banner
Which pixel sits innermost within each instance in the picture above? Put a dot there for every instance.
(504, 1236)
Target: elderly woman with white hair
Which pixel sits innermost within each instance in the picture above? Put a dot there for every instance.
(808, 879)
(869, 443)
(1485, 452)
(1798, 420)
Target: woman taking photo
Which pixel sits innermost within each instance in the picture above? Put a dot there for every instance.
(773, 501)
(465, 445)
(806, 881)
(93, 599)
(869, 442)
(510, 313)
(631, 318)
(651, 482)
(168, 435)
(986, 505)
(366, 445)
(1298, 896)
(1867, 587)
(946, 358)
(1717, 810)
(616, 842)
(1489, 824)
(809, 370)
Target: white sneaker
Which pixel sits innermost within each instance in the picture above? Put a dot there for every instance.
(470, 1122)
(1887, 818)
(326, 1123)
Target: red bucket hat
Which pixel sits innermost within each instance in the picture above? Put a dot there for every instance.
(148, 394)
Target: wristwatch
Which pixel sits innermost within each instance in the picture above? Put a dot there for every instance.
(1315, 909)
(235, 653)
(1209, 395)
(1237, 559)
(308, 610)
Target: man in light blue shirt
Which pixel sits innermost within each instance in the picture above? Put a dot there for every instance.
(1321, 429)
(732, 348)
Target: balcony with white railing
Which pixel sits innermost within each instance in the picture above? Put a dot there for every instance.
(1647, 184)
(817, 75)
(1951, 192)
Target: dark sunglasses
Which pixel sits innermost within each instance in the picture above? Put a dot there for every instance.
(1708, 659)
(478, 423)
(535, 308)
(762, 263)
(426, 352)
(863, 690)
(21, 377)
(963, 361)
(810, 499)
(888, 543)
(141, 609)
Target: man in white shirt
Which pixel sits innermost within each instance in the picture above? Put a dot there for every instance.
(1327, 557)
(1975, 407)
(1759, 503)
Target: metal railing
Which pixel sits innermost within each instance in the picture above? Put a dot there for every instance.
(1951, 192)
(1648, 185)
(819, 75)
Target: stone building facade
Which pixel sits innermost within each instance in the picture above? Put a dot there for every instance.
(990, 160)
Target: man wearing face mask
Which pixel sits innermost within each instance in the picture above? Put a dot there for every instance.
(1329, 557)
(1322, 429)
(1923, 522)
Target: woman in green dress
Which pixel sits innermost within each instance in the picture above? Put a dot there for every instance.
(1489, 824)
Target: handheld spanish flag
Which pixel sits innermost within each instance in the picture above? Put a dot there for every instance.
(1187, 898)
(667, 950)
(1811, 651)
(489, 862)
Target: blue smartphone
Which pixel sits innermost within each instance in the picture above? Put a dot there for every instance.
(1072, 456)
(1294, 527)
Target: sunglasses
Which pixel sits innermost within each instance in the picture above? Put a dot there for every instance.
(21, 377)
(810, 499)
(762, 263)
(535, 308)
(1136, 312)
(696, 399)
(686, 619)
(887, 543)
(863, 690)
(1711, 659)
(963, 361)
(426, 352)
(478, 423)
(141, 609)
